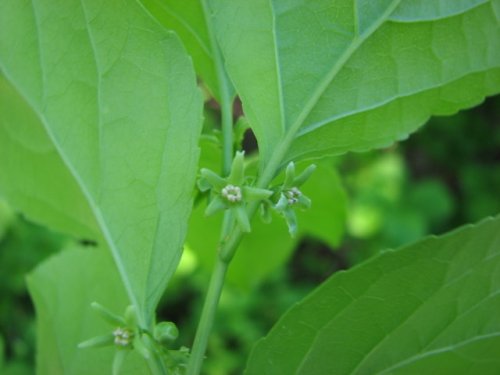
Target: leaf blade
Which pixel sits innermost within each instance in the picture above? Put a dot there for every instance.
(78, 276)
(378, 316)
(188, 21)
(117, 97)
(348, 57)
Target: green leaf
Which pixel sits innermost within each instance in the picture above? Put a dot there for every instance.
(112, 104)
(55, 198)
(188, 20)
(63, 289)
(325, 77)
(431, 307)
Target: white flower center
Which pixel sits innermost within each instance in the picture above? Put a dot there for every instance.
(123, 337)
(232, 193)
(293, 195)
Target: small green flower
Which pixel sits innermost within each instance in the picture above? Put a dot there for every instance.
(290, 196)
(125, 336)
(231, 193)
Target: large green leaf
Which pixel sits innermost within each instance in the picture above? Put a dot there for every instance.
(62, 289)
(111, 100)
(330, 76)
(187, 19)
(431, 307)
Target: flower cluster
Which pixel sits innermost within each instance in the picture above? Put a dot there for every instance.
(232, 192)
(123, 337)
(127, 336)
(290, 196)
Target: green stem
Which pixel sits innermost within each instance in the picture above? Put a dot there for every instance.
(226, 97)
(231, 235)
(207, 317)
(156, 365)
(229, 245)
(227, 134)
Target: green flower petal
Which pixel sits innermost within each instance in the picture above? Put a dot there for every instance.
(98, 341)
(242, 218)
(237, 175)
(203, 184)
(304, 202)
(301, 178)
(255, 194)
(213, 179)
(289, 175)
(215, 205)
(107, 315)
(282, 203)
(291, 221)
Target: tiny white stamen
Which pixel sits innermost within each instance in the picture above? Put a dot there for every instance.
(123, 337)
(232, 193)
(293, 195)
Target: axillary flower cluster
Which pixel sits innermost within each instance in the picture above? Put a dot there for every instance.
(127, 336)
(291, 197)
(233, 193)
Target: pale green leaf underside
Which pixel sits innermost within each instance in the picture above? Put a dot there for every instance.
(33, 176)
(325, 77)
(62, 289)
(431, 307)
(115, 95)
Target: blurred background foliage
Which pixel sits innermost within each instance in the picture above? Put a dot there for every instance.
(444, 176)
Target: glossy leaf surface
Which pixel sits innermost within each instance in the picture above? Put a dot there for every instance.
(326, 77)
(431, 307)
(111, 100)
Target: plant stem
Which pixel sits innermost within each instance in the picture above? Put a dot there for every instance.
(231, 235)
(230, 241)
(227, 133)
(226, 97)
(207, 317)
(156, 365)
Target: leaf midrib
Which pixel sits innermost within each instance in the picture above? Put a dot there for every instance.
(325, 82)
(278, 69)
(83, 188)
(284, 145)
